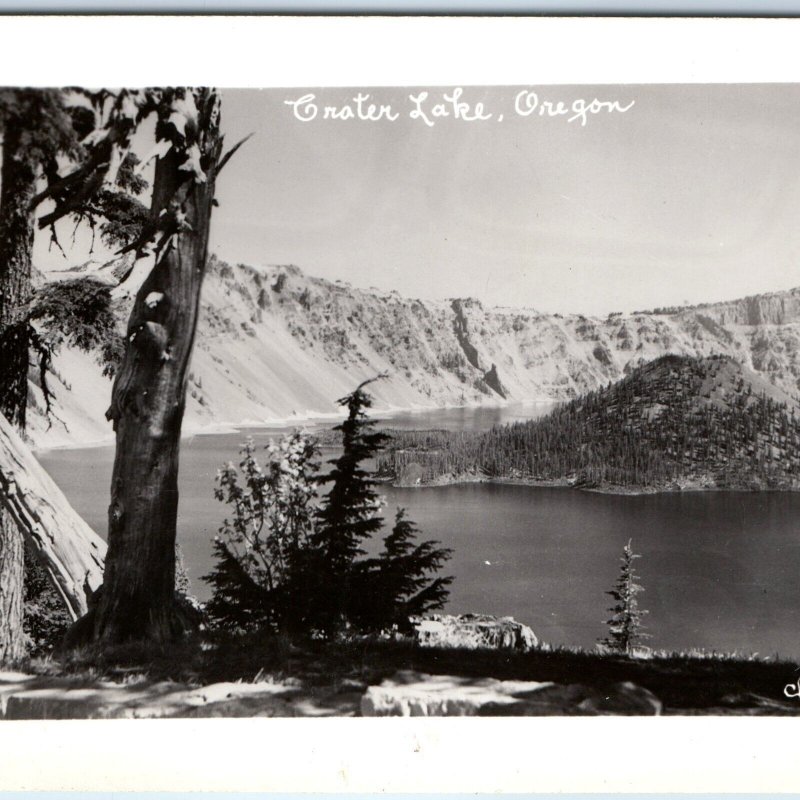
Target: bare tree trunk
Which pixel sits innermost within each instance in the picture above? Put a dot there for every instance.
(137, 600)
(69, 550)
(17, 188)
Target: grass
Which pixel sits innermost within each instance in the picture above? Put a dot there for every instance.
(692, 682)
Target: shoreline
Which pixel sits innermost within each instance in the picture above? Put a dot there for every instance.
(292, 421)
(565, 483)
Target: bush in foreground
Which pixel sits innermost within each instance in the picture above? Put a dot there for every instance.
(292, 562)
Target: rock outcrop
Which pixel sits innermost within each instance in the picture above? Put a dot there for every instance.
(415, 694)
(473, 631)
(412, 694)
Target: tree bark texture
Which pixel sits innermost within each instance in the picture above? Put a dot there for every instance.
(137, 600)
(12, 559)
(69, 550)
(17, 188)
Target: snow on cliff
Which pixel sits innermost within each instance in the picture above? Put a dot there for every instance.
(274, 343)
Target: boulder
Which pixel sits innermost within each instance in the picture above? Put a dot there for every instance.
(624, 698)
(473, 631)
(417, 694)
(413, 694)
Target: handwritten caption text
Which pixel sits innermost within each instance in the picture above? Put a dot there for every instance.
(429, 108)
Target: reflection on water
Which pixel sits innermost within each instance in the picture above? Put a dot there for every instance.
(719, 568)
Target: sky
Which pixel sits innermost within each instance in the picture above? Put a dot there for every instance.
(692, 194)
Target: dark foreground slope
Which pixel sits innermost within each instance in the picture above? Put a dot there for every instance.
(677, 422)
(257, 676)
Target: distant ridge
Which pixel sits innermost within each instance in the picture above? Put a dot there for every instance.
(276, 343)
(753, 301)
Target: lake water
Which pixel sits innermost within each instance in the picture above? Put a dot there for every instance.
(720, 569)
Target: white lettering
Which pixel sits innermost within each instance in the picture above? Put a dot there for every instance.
(303, 108)
(528, 103)
(431, 108)
(451, 106)
(417, 112)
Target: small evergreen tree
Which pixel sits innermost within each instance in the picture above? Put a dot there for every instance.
(400, 583)
(625, 625)
(348, 515)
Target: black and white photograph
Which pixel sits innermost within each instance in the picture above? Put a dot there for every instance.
(405, 401)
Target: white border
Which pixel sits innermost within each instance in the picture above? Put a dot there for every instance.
(520, 755)
(513, 755)
(403, 51)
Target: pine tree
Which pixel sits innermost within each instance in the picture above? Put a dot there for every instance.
(238, 602)
(625, 625)
(398, 580)
(348, 515)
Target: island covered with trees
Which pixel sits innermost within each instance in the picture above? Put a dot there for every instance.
(678, 422)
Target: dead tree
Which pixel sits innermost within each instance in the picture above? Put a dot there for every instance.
(68, 549)
(137, 599)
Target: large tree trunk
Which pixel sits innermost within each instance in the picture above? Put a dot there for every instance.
(17, 188)
(137, 600)
(12, 571)
(68, 549)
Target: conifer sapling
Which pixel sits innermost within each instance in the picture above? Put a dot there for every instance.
(625, 624)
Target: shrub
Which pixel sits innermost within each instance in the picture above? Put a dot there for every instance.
(257, 547)
(294, 562)
(45, 619)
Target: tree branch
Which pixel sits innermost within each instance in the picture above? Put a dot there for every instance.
(227, 157)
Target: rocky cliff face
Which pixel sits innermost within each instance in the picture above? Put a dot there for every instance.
(275, 343)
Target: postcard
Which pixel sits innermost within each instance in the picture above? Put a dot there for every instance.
(360, 374)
